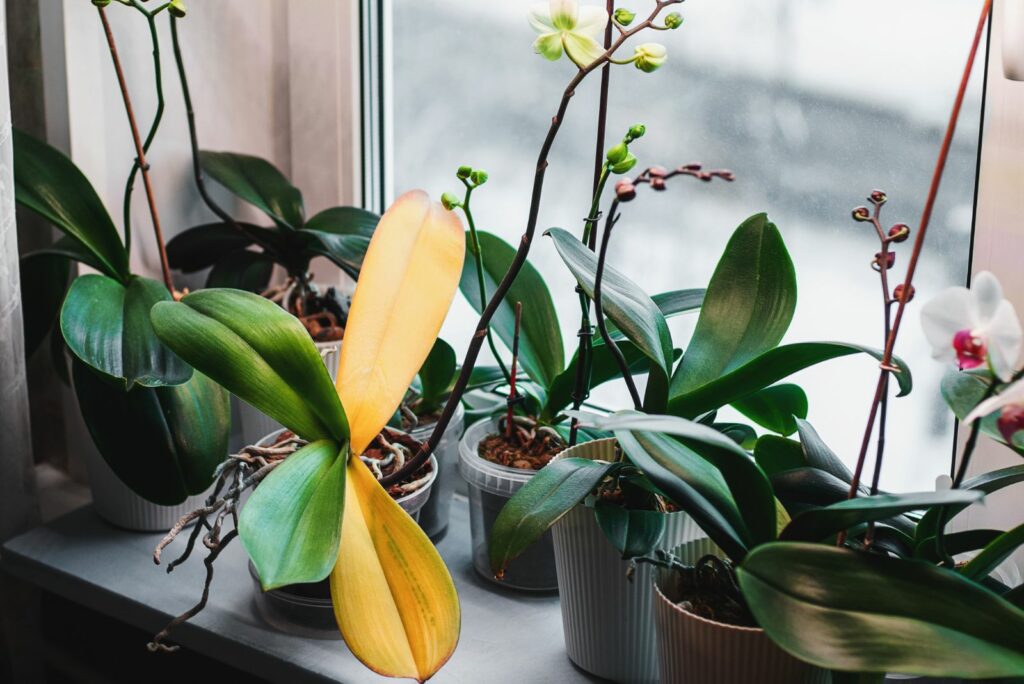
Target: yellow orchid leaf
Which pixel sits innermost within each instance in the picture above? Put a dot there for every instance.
(394, 600)
(408, 280)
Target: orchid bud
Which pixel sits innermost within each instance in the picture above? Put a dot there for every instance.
(674, 20)
(625, 190)
(623, 17)
(889, 258)
(635, 131)
(861, 214)
(658, 184)
(464, 172)
(478, 177)
(878, 196)
(899, 233)
(898, 293)
(100, 3)
(177, 8)
(658, 172)
(450, 201)
(626, 164)
(649, 57)
(1010, 422)
(618, 153)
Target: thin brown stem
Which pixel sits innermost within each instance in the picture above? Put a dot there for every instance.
(922, 232)
(140, 152)
(513, 395)
(521, 253)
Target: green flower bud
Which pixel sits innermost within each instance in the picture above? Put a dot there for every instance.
(618, 153)
(101, 3)
(478, 177)
(176, 8)
(674, 20)
(635, 131)
(625, 165)
(464, 172)
(450, 201)
(649, 57)
(623, 17)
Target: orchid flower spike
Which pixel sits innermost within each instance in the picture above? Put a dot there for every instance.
(564, 25)
(1010, 404)
(974, 327)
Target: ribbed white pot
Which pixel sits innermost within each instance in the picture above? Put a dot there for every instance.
(254, 424)
(695, 650)
(116, 503)
(607, 617)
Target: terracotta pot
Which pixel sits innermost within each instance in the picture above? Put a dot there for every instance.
(695, 650)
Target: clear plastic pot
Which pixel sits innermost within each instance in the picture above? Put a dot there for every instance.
(435, 513)
(490, 486)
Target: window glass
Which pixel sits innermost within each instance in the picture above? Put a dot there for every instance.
(811, 103)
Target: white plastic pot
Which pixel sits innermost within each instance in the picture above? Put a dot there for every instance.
(695, 650)
(436, 511)
(607, 617)
(490, 486)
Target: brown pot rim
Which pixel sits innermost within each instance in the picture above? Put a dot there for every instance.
(714, 624)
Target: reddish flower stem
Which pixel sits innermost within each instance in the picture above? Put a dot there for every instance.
(513, 395)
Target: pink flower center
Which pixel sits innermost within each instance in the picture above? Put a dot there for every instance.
(1010, 421)
(970, 349)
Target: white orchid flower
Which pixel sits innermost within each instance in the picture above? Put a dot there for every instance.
(974, 327)
(565, 26)
(1010, 404)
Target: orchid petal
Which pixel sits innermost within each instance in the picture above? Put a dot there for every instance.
(540, 18)
(1014, 394)
(1003, 336)
(592, 21)
(943, 317)
(564, 14)
(987, 294)
(583, 50)
(549, 45)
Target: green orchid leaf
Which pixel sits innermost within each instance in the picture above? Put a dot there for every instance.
(775, 408)
(344, 221)
(748, 486)
(44, 280)
(808, 487)
(242, 270)
(539, 504)
(106, 325)
(633, 533)
(985, 483)
(994, 553)
(437, 372)
(257, 182)
(744, 435)
(203, 246)
(672, 303)
(68, 248)
(963, 391)
(821, 523)
(625, 303)
(777, 454)
(747, 309)
(767, 369)
(956, 543)
(291, 525)
(540, 343)
(163, 442)
(485, 376)
(49, 184)
(855, 611)
(819, 455)
(258, 352)
(342, 234)
(604, 368)
(693, 484)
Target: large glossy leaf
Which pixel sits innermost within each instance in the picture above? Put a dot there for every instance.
(436, 372)
(257, 182)
(538, 505)
(163, 442)
(394, 600)
(242, 270)
(540, 344)
(775, 408)
(672, 303)
(821, 523)
(107, 326)
(985, 483)
(962, 392)
(291, 525)
(625, 303)
(345, 221)
(855, 611)
(49, 184)
(956, 543)
(994, 553)
(748, 485)
(342, 235)
(258, 352)
(633, 533)
(203, 246)
(777, 454)
(44, 280)
(69, 248)
(405, 289)
(747, 309)
(819, 455)
(769, 368)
